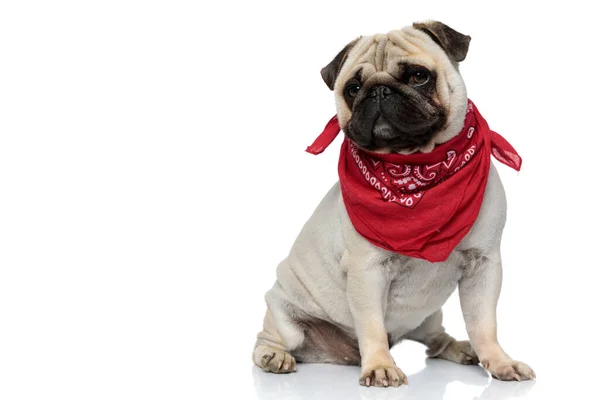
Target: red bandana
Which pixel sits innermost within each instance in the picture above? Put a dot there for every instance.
(423, 204)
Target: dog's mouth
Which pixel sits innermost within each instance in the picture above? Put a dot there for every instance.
(384, 135)
(383, 129)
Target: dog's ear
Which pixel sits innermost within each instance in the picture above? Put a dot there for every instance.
(331, 71)
(454, 43)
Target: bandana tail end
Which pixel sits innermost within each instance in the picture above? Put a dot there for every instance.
(504, 152)
(325, 138)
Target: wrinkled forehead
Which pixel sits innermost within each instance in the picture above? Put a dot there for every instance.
(386, 52)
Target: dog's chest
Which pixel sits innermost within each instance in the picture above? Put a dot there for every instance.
(418, 288)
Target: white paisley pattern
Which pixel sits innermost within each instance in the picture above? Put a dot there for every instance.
(407, 184)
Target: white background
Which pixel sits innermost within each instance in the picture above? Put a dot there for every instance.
(153, 174)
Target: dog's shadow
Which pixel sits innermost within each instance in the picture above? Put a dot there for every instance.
(439, 377)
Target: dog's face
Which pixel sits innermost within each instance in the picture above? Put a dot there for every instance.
(401, 91)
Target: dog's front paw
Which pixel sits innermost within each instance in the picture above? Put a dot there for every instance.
(382, 376)
(509, 370)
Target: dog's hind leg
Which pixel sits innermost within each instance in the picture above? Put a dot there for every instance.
(441, 345)
(270, 352)
(279, 337)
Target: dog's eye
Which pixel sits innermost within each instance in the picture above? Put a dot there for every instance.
(352, 89)
(419, 77)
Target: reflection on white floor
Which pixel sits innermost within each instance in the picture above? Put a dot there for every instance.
(437, 379)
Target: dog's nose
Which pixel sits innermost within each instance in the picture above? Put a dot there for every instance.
(379, 92)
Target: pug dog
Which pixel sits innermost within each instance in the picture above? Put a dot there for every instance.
(339, 298)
